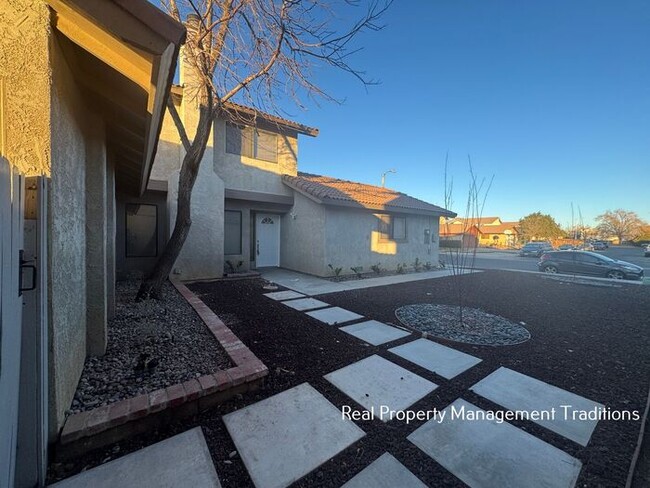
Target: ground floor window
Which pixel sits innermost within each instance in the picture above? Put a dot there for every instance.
(232, 232)
(141, 230)
(392, 227)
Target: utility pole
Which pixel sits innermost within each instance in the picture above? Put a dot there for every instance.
(383, 176)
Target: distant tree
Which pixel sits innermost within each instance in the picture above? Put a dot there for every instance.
(539, 226)
(621, 223)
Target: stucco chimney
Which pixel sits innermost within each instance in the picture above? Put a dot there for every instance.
(186, 70)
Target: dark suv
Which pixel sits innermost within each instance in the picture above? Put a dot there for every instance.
(535, 249)
(588, 263)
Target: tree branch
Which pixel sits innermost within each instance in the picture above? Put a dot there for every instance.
(178, 123)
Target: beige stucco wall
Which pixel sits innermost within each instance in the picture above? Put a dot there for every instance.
(80, 190)
(302, 237)
(24, 65)
(352, 239)
(168, 153)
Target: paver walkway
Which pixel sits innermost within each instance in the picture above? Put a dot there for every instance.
(477, 449)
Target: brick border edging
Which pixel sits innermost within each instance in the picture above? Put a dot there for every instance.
(119, 420)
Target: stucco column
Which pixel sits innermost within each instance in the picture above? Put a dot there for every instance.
(110, 240)
(96, 244)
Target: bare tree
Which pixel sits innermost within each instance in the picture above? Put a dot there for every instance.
(621, 223)
(255, 52)
(461, 258)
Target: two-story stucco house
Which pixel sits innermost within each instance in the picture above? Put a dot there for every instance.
(252, 208)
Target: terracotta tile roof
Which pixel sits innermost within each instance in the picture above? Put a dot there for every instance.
(500, 229)
(332, 191)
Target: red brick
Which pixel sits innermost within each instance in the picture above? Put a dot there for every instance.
(175, 395)
(192, 389)
(208, 384)
(74, 427)
(97, 421)
(157, 400)
(239, 375)
(138, 407)
(118, 413)
(223, 380)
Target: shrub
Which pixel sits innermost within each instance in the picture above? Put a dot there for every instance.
(336, 271)
(357, 270)
(376, 268)
(417, 265)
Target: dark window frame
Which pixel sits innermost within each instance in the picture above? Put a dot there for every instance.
(387, 229)
(126, 230)
(241, 233)
(253, 138)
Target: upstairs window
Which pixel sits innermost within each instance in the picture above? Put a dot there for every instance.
(251, 142)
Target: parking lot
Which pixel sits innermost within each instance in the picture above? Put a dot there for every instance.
(510, 260)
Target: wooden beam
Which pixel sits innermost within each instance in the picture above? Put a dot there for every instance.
(131, 62)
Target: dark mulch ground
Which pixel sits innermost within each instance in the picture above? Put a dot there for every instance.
(151, 344)
(593, 341)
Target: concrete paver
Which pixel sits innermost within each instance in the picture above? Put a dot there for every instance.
(284, 437)
(284, 295)
(182, 460)
(334, 315)
(380, 386)
(374, 332)
(517, 391)
(439, 359)
(305, 304)
(385, 472)
(486, 454)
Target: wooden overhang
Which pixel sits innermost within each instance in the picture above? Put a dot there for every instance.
(123, 56)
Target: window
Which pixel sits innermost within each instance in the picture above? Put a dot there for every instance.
(251, 142)
(232, 232)
(391, 227)
(141, 231)
(589, 259)
(399, 228)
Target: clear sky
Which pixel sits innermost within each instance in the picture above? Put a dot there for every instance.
(551, 97)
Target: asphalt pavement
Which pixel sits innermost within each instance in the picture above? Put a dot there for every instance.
(510, 260)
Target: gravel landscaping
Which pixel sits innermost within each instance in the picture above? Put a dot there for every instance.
(151, 344)
(587, 340)
(477, 326)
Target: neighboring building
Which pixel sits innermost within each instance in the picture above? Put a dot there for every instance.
(83, 87)
(251, 208)
(484, 231)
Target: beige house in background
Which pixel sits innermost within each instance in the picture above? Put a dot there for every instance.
(252, 208)
(83, 87)
(484, 231)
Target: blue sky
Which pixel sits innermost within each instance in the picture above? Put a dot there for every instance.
(551, 97)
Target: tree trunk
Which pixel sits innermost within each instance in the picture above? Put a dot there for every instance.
(151, 286)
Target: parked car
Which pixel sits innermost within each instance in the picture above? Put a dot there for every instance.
(566, 247)
(588, 263)
(587, 246)
(647, 251)
(599, 246)
(535, 249)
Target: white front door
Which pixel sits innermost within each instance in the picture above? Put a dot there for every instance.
(267, 247)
